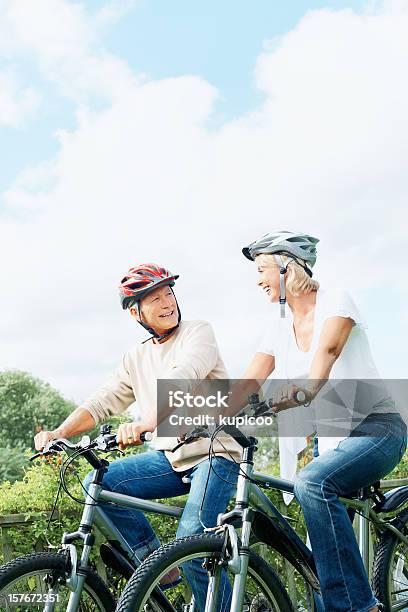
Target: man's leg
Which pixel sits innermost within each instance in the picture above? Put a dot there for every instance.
(147, 475)
(202, 511)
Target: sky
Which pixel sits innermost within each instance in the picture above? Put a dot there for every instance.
(179, 132)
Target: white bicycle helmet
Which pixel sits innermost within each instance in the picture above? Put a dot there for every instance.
(298, 246)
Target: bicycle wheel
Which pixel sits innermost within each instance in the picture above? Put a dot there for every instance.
(264, 591)
(25, 584)
(390, 570)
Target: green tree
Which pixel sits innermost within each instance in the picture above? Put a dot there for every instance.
(28, 405)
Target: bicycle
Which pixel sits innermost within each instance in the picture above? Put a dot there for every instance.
(65, 580)
(222, 550)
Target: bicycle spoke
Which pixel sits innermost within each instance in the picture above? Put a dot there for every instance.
(399, 581)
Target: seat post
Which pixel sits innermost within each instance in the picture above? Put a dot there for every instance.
(364, 535)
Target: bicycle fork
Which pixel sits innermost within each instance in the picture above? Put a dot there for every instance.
(76, 580)
(238, 558)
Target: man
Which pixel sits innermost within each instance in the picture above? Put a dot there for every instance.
(183, 351)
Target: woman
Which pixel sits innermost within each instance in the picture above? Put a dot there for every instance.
(320, 336)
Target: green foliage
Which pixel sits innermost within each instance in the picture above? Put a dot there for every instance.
(401, 470)
(27, 406)
(12, 462)
(34, 497)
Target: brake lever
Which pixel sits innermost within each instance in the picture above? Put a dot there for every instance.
(114, 449)
(36, 456)
(53, 447)
(192, 436)
(264, 408)
(102, 443)
(43, 454)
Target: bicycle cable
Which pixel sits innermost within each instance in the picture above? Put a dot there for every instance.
(50, 517)
(231, 457)
(66, 463)
(211, 456)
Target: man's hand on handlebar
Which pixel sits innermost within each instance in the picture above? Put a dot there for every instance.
(129, 434)
(43, 437)
(106, 441)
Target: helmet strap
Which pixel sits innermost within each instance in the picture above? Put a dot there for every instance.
(282, 287)
(154, 334)
(282, 291)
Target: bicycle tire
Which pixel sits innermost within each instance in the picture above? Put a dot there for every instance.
(139, 588)
(390, 568)
(54, 564)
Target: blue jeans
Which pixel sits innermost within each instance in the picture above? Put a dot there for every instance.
(150, 475)
(372, 450)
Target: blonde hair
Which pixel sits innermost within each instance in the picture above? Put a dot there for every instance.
(297, 279)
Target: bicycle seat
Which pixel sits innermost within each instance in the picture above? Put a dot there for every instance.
(392, 499)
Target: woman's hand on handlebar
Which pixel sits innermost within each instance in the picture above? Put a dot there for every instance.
(289, 396)
(129, 434)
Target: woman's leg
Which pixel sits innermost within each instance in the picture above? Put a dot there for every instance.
(370, 453)
(147, 475)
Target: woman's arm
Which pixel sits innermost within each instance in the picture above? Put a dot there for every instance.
(333, 337)
(261, 366)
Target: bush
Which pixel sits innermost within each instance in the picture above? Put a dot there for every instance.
(27, 406)
(34, 497)
(12, 463)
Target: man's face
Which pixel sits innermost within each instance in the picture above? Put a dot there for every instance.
(158, 309)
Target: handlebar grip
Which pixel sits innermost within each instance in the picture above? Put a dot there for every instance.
(146, 436)
(300, 396)
(238, 436)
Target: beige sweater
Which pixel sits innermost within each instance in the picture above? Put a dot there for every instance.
(191, 353)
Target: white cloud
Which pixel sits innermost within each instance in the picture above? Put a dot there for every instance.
(113, 10)
(17, 104)
(397, 7)
(144, 179)
(63, 41)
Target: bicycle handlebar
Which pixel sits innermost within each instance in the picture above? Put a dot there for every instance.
(106, 441)
(255, 408)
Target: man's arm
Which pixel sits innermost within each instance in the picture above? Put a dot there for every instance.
(112, 398)
(79, 421)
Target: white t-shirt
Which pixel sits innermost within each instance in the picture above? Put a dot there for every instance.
(354, 363)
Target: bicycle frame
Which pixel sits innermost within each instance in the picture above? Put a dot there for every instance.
(93, 514)
(380, 520)
(261, 517)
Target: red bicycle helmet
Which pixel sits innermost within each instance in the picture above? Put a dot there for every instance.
(142, 279)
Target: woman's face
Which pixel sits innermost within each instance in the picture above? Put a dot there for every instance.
(268, 281)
